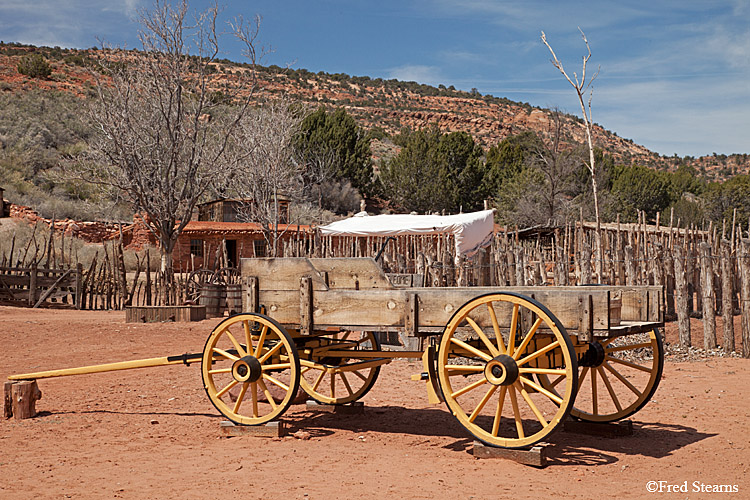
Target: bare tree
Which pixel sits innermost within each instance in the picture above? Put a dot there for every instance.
(162, 136)
(268, 166)
(557, 159)
(582, 87)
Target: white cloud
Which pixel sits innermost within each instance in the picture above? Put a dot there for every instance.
(71, 23)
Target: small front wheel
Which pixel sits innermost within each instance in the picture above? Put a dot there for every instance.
(250, 368)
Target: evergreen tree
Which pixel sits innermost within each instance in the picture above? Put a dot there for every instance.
(435, 172)
(337, 140)
(508, 159)
(639, 188)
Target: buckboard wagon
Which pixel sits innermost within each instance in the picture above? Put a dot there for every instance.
(511, 363)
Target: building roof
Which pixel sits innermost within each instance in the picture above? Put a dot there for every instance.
(212, 227)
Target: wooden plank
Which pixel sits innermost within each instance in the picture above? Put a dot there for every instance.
(353, 408)
(32, 285)
(536, 455)
(68, 279)
(306, 306)
(252, 297)
(16, 280)
(352, 273)
(159, 314)
(281, 273)
(372, 308)
(8, 399)
(274, 429)
(586, 318)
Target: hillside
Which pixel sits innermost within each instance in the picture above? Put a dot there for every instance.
(386, 104)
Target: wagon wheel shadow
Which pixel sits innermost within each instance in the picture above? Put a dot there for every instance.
(426, 422)
(649, 439)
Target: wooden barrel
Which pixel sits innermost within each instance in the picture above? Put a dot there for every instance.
(234, 298)
(212, 296)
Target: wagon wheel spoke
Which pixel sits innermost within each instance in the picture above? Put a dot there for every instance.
(473, 350)
(527, 339)
(482, 403)
(622, 379)
(261, 340)
(628, 363)
(454, 370)
(236, 344)
(479, 374)
(485, 340)
(267, 393)
(531, 404)
(499, 411)
(346, 384)
(240, 397)
(276, 382)
(554, 397)
(225, 354)
(468, 388)
(611, 391)
(496, 328)
(594, 395)
(513, 326)
(516, 413)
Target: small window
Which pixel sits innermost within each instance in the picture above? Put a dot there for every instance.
(230, 212)
(260, 248)
(196, 247)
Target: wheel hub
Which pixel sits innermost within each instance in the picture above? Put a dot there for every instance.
(594, 355)
(501, 370)
(247, 369)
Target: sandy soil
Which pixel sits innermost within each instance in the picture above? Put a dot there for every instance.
(153, 433)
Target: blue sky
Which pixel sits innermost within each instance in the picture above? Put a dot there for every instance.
(675, 75)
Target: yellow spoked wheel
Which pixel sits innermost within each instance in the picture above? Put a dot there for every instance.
(250, 369)
(490, 351)
(335, 378)
(618, 376)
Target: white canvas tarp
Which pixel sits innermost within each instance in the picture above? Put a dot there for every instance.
(472, 231)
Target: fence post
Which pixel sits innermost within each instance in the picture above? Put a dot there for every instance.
(744, 263)
(707, 287)
(681, 296)
(79, 286)
(32, 285)
(629, 266)
(585, 264)
(727, 314)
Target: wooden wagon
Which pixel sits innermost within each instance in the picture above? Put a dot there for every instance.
(511, 363)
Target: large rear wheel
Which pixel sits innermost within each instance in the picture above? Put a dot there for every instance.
(490, 352)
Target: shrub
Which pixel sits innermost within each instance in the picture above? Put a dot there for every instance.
(34, 66)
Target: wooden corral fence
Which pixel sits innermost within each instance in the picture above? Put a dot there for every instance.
(705, 272)
(34, 286)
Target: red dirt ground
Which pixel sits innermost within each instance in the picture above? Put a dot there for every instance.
(153, 433)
